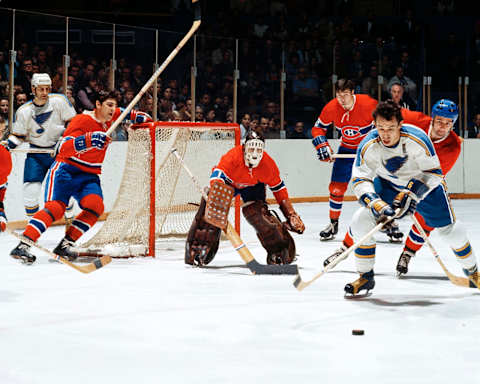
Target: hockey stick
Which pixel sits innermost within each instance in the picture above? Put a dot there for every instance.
(237, 243)
(457, 280)
(301, 284)
(97, 264)
(343, 156)
(196, 23)
(33, 150)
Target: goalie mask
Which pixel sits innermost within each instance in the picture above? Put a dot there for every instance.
(253, 149)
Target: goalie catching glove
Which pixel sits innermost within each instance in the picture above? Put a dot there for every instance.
(380, 209)
(406, 201)
(294, 222)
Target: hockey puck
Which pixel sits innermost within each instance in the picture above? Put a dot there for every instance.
(358, 332)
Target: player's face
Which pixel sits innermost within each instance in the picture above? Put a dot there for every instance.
(388, 130)
(345, 99)
(441, 127)
(41, 94)
(106, 110)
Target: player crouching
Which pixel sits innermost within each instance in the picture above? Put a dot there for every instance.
(75, 172)
(396, 173)
(248, 169)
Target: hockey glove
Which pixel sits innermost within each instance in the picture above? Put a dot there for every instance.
(96, 139)
(294, 222)
(324, 152)
(380, 209)
(406, 201)
(3, 219)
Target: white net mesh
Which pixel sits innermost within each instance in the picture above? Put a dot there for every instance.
(126, 230)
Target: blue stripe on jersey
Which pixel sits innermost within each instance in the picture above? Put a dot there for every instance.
(85, 164)
(278, 187)
(419, 136)
(320, 124)
(218, 174)
(365, 130)
(436, 171)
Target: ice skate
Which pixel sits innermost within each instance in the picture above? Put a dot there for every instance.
(404, 259)
(22, 252)
(334, 256)
(393, 233)
(330, 230)
(473, 276)
(64, 249)
(366, 282)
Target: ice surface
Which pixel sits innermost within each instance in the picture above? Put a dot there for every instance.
(159, 321)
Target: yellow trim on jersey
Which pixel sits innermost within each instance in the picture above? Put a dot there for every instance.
(405, 134)
(366, 145)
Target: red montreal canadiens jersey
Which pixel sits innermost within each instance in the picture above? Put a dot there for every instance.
(5, 169)
(232, 170)
(91, 159)
(448, 149)
(353, 125)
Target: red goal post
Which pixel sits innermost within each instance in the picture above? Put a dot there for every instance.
(156, 198)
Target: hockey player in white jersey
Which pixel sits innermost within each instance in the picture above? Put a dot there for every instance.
(396, 168)
(40, 122)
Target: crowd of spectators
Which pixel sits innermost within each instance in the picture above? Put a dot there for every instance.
(311, 49)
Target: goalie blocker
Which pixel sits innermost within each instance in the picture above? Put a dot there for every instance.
(248, 169)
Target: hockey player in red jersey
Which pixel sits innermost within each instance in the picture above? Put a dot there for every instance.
(351, 116)
(448, 146)
(5, 169)
(249, 169)
(81, 152)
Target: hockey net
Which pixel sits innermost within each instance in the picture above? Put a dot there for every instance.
(157, 198)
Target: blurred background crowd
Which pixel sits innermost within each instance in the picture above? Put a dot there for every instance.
(388, 48)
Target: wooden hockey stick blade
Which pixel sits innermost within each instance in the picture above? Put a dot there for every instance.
(301, 284)
(457, 280)
(343, 156)
(88, 268)
(252, 264)
(196, 23)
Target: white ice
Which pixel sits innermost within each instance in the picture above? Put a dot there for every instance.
(159, 321)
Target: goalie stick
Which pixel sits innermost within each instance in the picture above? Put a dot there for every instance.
(255, 267)
(457, 280)
(301, 284)
(96, 264)
(196, 23)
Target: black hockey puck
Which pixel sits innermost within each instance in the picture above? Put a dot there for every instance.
(358, 332)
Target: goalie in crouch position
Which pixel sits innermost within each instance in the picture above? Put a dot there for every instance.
(248, 169)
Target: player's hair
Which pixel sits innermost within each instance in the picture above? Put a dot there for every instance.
(389, 110)
(101, 96)
(342, 85)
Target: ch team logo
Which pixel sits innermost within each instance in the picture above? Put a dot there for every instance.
(350, 132)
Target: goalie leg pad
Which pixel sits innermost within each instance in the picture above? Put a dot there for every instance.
(202, 241)
(271, 232)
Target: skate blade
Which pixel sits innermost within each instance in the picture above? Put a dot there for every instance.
(23, 260)
(351, 296)
(399, 275)
(395, 241)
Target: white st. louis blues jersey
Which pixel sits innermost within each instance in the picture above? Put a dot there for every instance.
(42, 126)
(413, 157)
